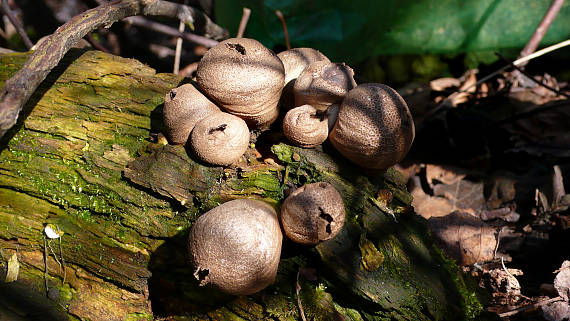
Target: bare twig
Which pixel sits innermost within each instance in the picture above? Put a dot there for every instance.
(495, 73)
(18, 89)
(297, 290)
(164, 29)
(285, 31)
(243, 22)
(529, 307)
(178, 50)
(540, 31)
(531, 78)
(19, 28)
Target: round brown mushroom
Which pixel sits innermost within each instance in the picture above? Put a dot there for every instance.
(313, 213)
(374, 127)
(184, 106)
(220, 139)
(236, 246)
(295, 61)
(322, 84)
(245, 78)
(303, 127)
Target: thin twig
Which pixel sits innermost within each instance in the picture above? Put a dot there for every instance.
(62, 260)
(19, 28)
(529, 307)
(18, 89)
(496, 72)
(46, 274)
(531, 78)
(178, 50)
(297, 290)
(164, 29)
(540, 31)
(285, 31)
(243, 22)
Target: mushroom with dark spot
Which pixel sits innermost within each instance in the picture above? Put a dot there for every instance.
(374, 127)
(303, 127)
(236, 246)
(220, 139)
(245, 78)
(184, 106)
(313, 213)
(295, 61)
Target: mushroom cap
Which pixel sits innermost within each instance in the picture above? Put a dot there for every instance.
(220, 139)
(322, 84)
(184, 106)
(374, 128)
(297, 59)
(236, 246)
(245, 78)
(304, 128)
(313, 213)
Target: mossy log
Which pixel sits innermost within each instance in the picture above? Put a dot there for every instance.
(83, 159)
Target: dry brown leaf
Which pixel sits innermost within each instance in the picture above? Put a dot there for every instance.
(442, 84)
(444, 174)
(464, 237)
(562, 281)
(463, 195)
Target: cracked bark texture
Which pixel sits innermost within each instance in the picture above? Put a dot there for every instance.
(81, 159)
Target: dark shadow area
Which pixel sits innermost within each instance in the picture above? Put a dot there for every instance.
(173, 289)
(19, 302)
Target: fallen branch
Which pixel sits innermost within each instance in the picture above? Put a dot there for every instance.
(18, 89)
(529, 307)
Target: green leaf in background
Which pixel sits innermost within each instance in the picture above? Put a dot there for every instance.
(351, 31)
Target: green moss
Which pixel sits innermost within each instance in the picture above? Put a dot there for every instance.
(139, 317)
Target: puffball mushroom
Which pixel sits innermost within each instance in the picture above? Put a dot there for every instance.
(236, 246)
(184, 106)
(245, 78)
(313, 213)
(374, 127)
(295, 61)
(304, 127)
(322, 84)
(220, 139)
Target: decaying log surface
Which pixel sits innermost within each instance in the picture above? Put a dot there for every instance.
(83, 160)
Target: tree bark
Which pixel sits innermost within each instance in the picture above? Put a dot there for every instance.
(83, 161)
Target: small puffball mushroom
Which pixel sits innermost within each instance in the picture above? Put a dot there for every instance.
(245, 78)
(236, 246)
(374, 128)
(322, 84)
(295, 61)
(313, 213)
(184, 106)
(303, 127)
(220, 139)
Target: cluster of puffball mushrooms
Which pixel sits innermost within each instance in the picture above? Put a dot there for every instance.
(242, 85)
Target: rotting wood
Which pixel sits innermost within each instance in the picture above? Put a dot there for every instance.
(83, 161)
